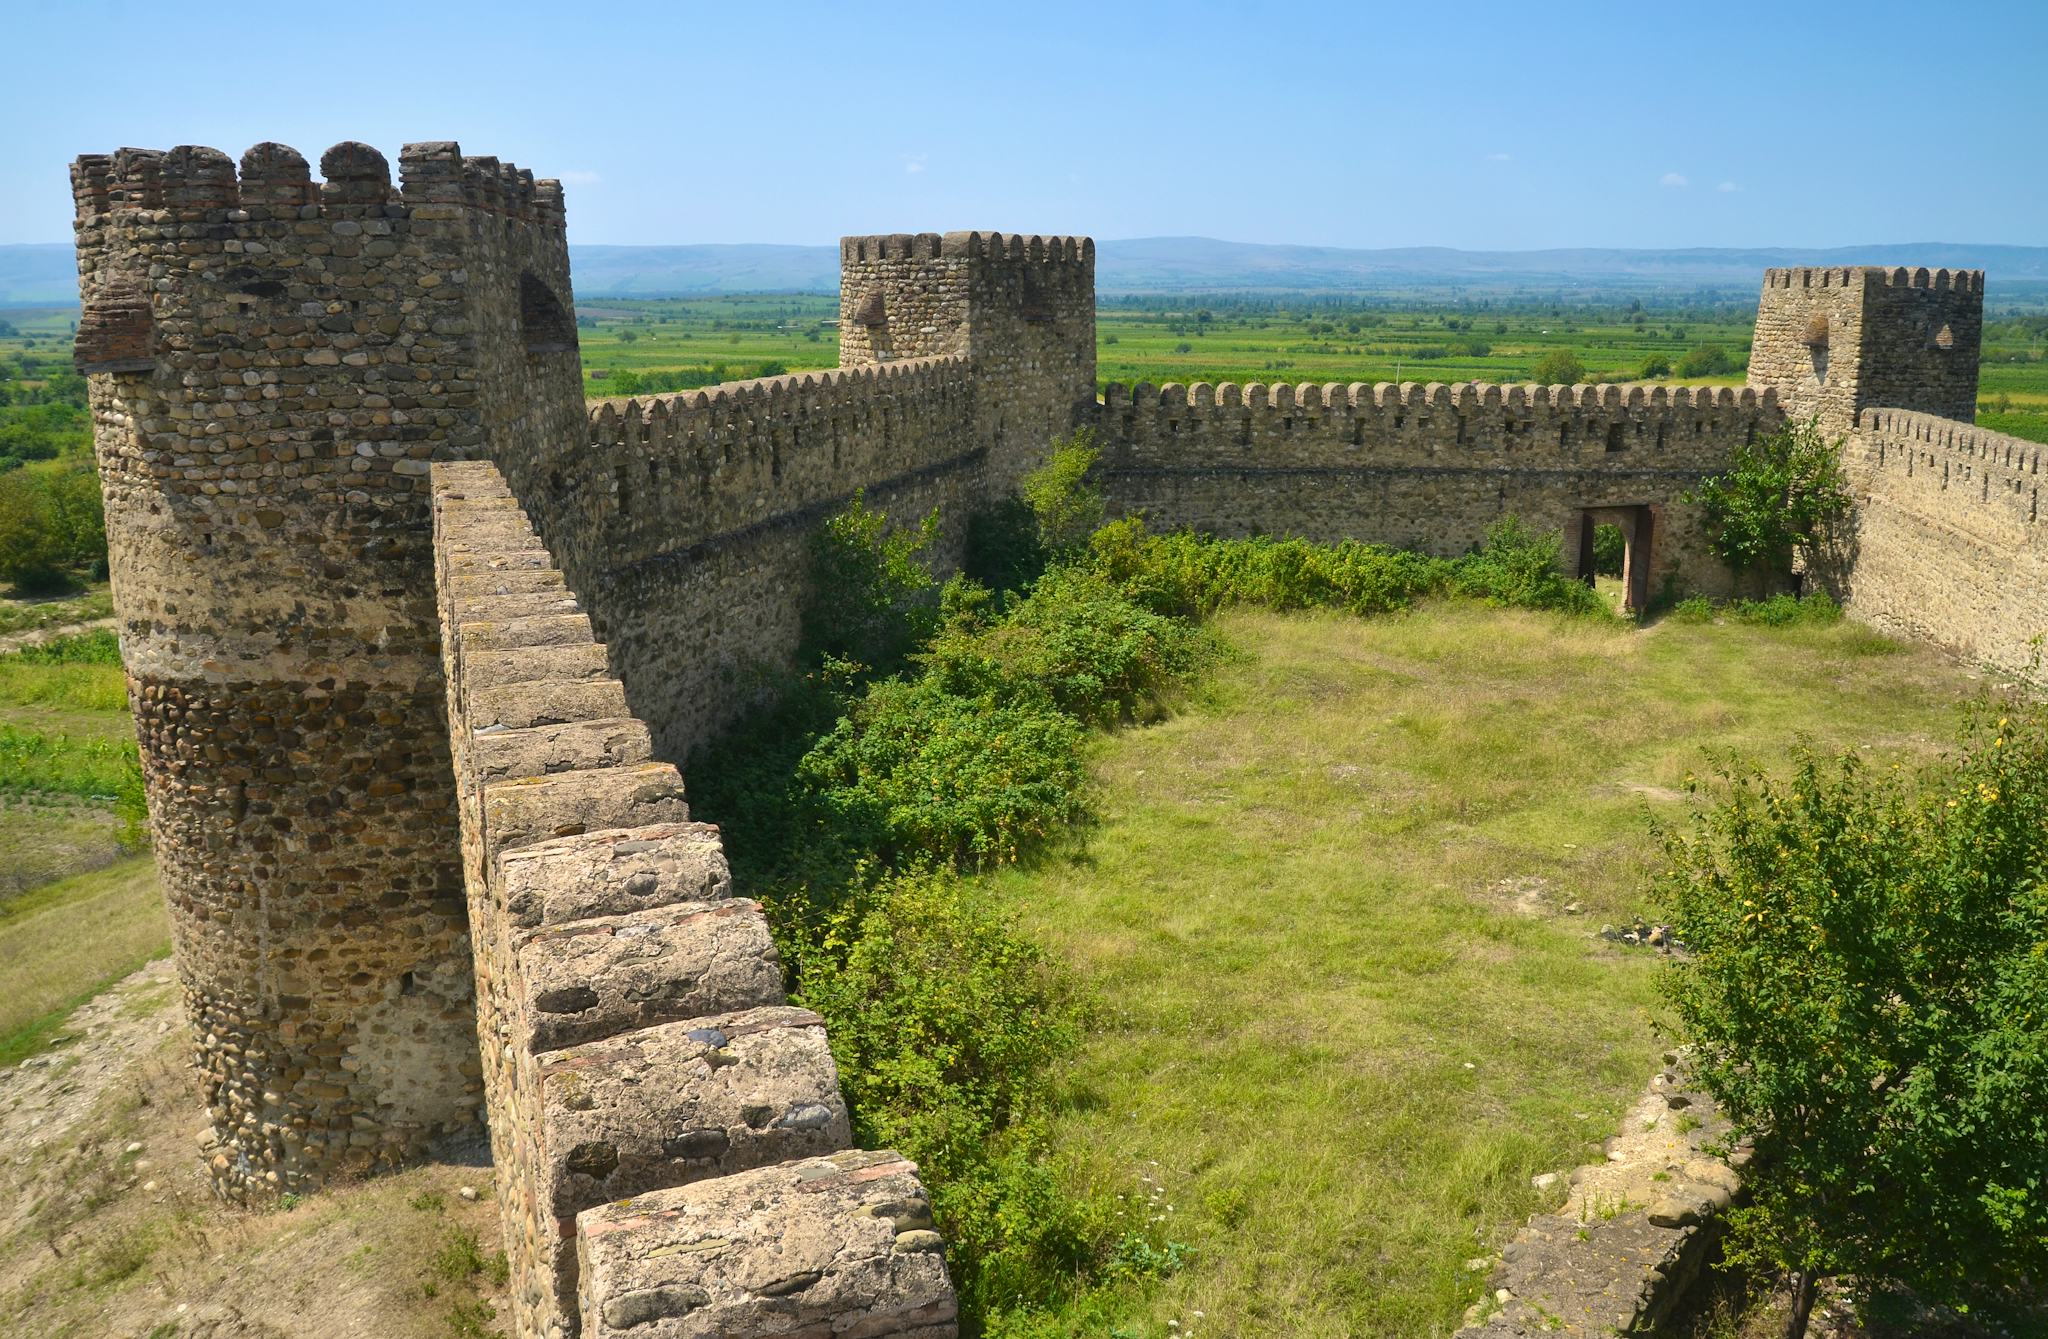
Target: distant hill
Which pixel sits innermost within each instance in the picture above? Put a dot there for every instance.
(44, 274)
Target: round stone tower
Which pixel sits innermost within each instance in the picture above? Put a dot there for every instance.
(273, 363)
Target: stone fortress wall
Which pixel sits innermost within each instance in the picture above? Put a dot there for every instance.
(1427, 467)
(406, 793)
(639, 1050)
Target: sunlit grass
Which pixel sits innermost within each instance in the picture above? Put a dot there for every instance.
(1346, 1015)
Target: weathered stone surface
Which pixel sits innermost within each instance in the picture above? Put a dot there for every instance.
(597, 977)
(664, 1106)
(613, 872)
(530, 809)
(836, 1245)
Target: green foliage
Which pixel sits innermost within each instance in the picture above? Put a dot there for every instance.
(1656, 365)
(1705, 360)
(1610, 550)
(98, 647)
(1777, 499)
(1185, 574)
(1003, 550)
(1074, 645)
(1559, 367)
(918, 773)
(51, 525)
(872, 599)
(1518, 567)
(1866, 999)
(1067, 507)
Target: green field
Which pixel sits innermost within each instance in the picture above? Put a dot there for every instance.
(1340, 913)
(647, 345)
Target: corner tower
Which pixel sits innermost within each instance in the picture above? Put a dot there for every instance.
(273, 362)
(1022, 308)
(1841, 340)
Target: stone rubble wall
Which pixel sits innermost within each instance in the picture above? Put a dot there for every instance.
(1946, 544)
(274, 361)
(673, 1154)
(1633, 1234)
(1426, 467)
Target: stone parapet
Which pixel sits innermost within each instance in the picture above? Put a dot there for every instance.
(635, 1033)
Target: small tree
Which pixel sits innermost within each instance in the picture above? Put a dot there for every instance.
(1866, 997)
(1776, 501)
(1067, 506)
(1559, 367)
(1707, 360)
(32, 544)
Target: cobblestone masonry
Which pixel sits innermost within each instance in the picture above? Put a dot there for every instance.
(639, 1052)
(276, 366)
(275, 361)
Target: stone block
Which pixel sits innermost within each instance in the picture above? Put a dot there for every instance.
(596, 978)
(613, 872)
(663, 1106)
(827, 1246)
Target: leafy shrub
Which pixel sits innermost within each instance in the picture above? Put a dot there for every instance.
(1705, 360)
(1559, 367)
(1074, 645)
(1653, 367)
(1693, 609)
(1003, 551)
(1776, 500)
(1068, 508)
(914, 772)
(51, 525)
(1610, 550)
(1184, 574)
(1518, 566)
(1864, 995)
(1779, 611)
(872, 600)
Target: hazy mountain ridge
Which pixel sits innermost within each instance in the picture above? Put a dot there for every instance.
(45, 273)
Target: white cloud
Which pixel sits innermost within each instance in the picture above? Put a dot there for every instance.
(1728, 188)
(1498, 157)
(914, 162)
(1672, 179)
(578, 178)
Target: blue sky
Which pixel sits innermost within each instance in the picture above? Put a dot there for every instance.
(1470, 125)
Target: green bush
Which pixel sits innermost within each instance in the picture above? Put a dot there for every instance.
(1779, 611)
(1865, 993)
(1559, 367)
(1518, 567)
(914, 773)
(1776, 501)
(1003, 551)
(1068, 508)
(872, 599)
(1186, 575)
(52, 525)
(1074, 644)
(1705, 360)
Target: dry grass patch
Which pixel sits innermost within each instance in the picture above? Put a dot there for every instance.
(62, 943)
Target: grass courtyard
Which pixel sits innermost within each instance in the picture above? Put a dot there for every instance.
(1340, 915)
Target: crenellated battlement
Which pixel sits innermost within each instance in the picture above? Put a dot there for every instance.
(1895, 276)
(1416, 395)
(194, 183)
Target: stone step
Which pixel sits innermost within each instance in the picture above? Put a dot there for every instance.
(522, 706)
(839, 1245)
(612, 872)
(537, 808)
(531, 664)
(664, 1106)
(543, 750)
(597, 978)
(505, 631)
